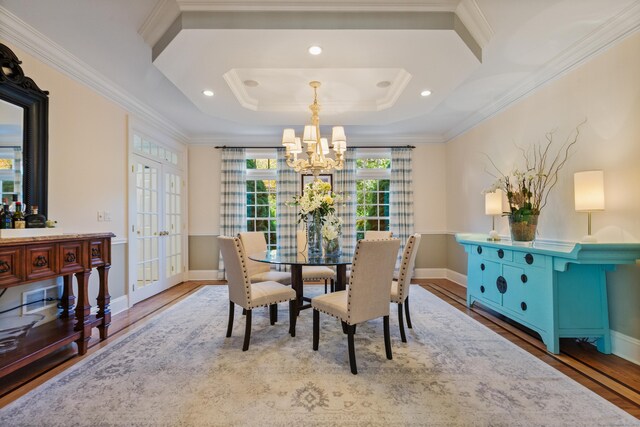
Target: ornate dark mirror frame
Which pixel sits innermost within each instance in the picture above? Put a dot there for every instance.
(22, 91)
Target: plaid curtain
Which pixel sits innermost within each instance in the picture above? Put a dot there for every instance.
(233, 196)
(287, 184)
(401, 196)
(345, 183)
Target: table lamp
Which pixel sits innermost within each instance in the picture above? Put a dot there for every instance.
(493, 207)
(589, 196)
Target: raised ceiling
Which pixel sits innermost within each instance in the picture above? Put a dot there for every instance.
(475, 56)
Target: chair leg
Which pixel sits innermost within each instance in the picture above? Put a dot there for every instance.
(230, 324)
(351, 330)
(387, 337)
(293, 316)
(316, 329)
(406, 311)
(244, 311)
(403, 337)
(273, 313)
(247, 332)
(345, 327)
(333, 285)
(325, 286)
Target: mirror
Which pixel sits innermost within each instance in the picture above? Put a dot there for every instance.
(24, 121)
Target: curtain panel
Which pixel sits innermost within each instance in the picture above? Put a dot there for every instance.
(401, 196)
(345, 183)
(287, 184)
(233, 196)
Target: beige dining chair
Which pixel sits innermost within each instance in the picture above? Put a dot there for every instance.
(400, 288)
(250, 295)
(254, 242)
(311, 273)
(367, 297)
(378, 234)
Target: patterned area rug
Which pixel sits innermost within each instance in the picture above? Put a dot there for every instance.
(178, 369)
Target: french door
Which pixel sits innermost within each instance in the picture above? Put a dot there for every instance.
(156, 253)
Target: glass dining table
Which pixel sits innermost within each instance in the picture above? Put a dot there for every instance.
(299, 260)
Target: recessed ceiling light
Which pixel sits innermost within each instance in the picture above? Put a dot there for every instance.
(383, 84)
(250, 83)
(315, 50)
(207, 92)
(425, 93)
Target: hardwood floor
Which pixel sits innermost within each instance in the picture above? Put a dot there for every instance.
(609, 376)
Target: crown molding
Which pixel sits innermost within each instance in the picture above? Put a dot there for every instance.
(616, 29)
(158, 21)
(313, 5)
(36, 44)
(263, 141)
(474, 20)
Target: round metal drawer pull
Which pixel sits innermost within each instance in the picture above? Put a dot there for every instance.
(482, 289)
(479, 249)
(528, 258)
(482, 267)
(524, 278)
(523, 306)
(501, 283)
(500, 253)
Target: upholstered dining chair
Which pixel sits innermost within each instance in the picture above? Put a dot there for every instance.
(251, 295)
(378, 234)
(254, 242)
(367, 295)
(400, 287)
(312, 272)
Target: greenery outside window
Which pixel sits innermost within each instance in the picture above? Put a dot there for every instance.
(373, 173)
(261, 195)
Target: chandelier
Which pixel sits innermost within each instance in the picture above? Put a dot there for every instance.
(317, 148)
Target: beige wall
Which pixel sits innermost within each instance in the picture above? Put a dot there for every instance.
(87, 165)
(606, 91)
(429, 188)
(204, 190)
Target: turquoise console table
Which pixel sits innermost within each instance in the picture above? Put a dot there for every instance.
(556, 290)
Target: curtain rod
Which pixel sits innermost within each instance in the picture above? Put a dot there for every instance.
(358, 146)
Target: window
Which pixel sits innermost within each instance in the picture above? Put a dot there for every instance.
(261, 195)
(373, 173)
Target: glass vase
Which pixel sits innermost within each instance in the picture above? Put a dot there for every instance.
(314, 235)
(331, 247)
(523, 228)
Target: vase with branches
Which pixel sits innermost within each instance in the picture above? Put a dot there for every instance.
(528, 187)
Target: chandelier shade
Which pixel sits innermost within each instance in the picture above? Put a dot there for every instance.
(317, 148)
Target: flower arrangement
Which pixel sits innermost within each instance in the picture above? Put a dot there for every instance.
(331, 227)
(316, 199)
(527, 189)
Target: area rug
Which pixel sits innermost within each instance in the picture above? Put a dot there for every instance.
(178, 369)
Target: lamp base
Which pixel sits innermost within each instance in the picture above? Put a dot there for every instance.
(493, 236)
(588, 239)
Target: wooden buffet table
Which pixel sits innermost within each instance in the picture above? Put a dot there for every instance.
(33, 259)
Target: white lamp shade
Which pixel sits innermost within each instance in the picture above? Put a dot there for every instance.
(325, 146)
(338, 135)
(493, 203)
(339, 147)
(589, 191)
(297, 148)
(289, 138)
(309, 134)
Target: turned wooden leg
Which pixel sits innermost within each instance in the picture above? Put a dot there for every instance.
(273, 313)
(351, 330)
(230, 324)
(316, 329)
(67, 301)
(406, 311)
(83, 310)
(387, 337)
(247, 332)
(293, 316)
(403, 337)
(104, 300)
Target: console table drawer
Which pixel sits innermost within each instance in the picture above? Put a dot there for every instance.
(534, 260)
(71, 257)
(41, 261)
(494, 254)
(11, 268)
(98, 252)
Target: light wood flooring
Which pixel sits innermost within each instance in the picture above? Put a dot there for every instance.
(611, 377)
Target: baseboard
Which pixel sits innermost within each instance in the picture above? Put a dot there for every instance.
(117, 305)
(440, 273)
(625, 346)
(203, 275)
